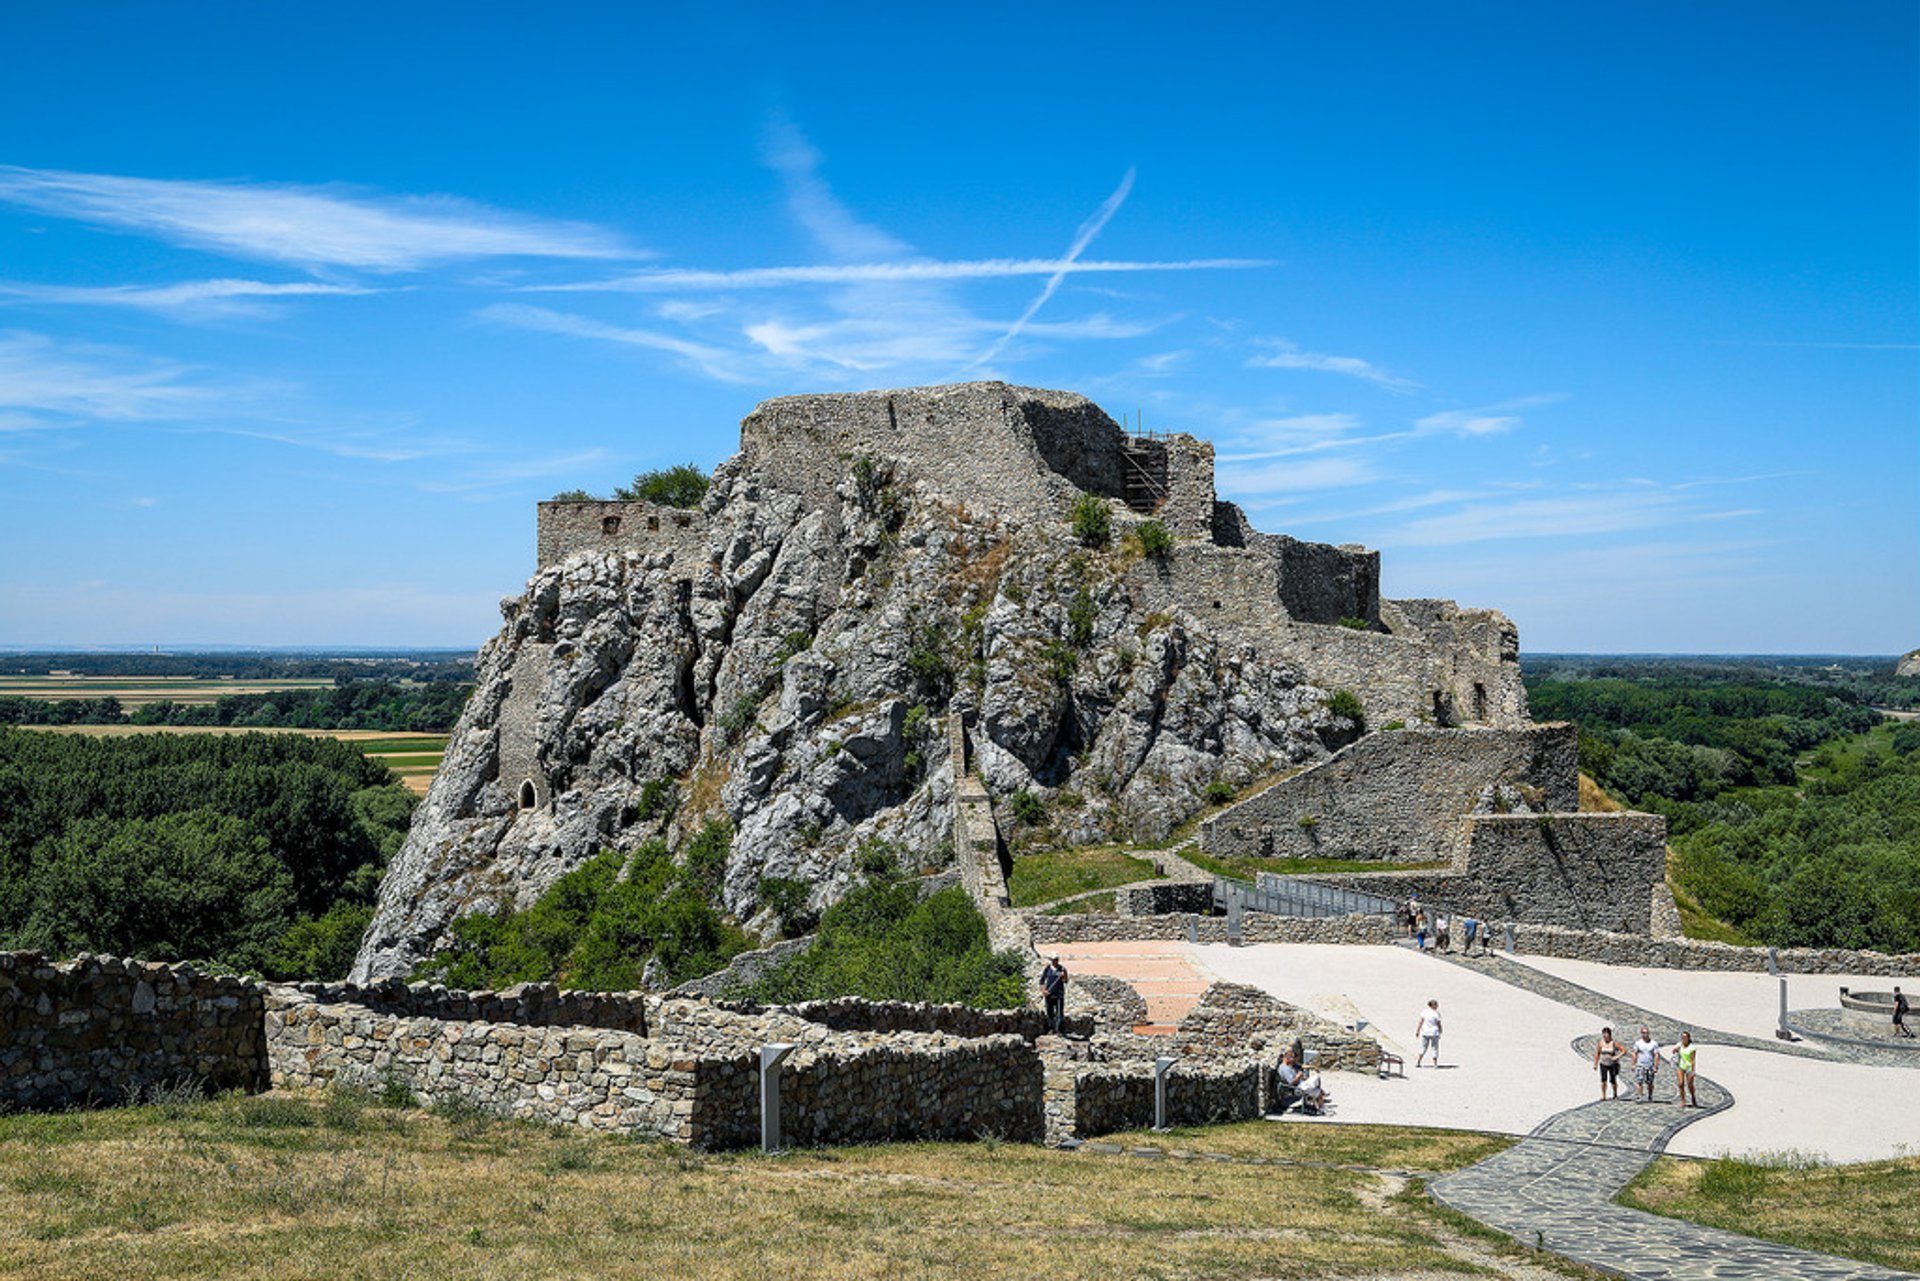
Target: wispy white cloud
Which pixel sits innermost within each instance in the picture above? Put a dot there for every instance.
(193, 297)
(313, 227)
(669, 280)
(713, 361)
(508, 473)
(1563, 516)
(1283, 354)
(831, 224)
(46, 383)
(1262, 484)
(1488, 420)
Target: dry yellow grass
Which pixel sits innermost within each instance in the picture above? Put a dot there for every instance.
(137, 691)
(1382, 1146)
(279, 1187)
(123, 731)
(1594, 799)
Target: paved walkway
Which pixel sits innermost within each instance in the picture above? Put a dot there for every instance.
(1555, 1189)
(1161, 972)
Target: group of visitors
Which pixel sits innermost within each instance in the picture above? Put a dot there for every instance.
(1432, 931)
(1647, 1055)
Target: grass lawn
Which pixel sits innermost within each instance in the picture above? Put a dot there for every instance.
(1247, 869)
(1849, 750)
(1869, 1212)
(1390, 1147)
(291, 1185)
(1042, 878)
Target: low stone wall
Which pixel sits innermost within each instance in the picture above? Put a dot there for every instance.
(1234, 1019)
(695, 1081)
(98, 1029)
(1087, 1099)
(1093, 927)
(1396, 795)
(1698, 954)
(528, 1004)
(593, 1077)
(1117, 1003)
(852, 1014)
(1163, 897)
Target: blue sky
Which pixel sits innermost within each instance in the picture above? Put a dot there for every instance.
(1605, 316)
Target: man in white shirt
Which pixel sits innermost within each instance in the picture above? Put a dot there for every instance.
(1646, 1066)
(1429, 1033)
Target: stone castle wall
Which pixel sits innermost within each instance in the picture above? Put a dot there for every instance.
(1581, 871)
(1397, 795)
(100, 1029)
(531, 1004)
(563, 528)
(1232, 1019)
(1259, 927)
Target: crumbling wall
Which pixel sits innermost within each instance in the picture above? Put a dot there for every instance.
(1188, 509)
(1398, 795)
(1230, 1019)
(99, 1029)
(562, 528)
(1476, 658)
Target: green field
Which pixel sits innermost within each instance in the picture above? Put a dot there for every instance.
(135, 691)
(412, 757)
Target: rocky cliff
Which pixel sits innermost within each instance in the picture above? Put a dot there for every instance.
(787, 659)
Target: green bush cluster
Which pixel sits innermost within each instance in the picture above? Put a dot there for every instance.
(1156, 540)
(885, 943)
(1092, 520)
(257, 852)
(1346, 704)
(1027, 808)
(681, 486)
(597, 926)
(1082, 614)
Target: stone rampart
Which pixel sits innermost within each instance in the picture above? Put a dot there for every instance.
(1397, 795)
(563, 528)
(99, 1029)
(1088, 1099)
(1581, 871)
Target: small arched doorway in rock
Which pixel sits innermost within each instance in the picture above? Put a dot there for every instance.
(529, 797)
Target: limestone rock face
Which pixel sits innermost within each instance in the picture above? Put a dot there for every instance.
(787, 658)
(1909, 664)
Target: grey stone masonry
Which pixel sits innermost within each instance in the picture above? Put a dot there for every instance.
(1234, 1019)
(1700, 954)
(99, 1029)
(1581, 871)
(1095, 927)
(564, 528)
(1398, 795)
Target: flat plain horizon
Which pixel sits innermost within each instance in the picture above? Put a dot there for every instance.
(1606, 321)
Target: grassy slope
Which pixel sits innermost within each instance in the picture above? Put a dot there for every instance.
(1042, 878)
(252, 1187)
(1869, 1212)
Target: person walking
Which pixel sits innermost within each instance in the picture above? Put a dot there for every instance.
(1606, 1060)
(1900, 1027)
(1683, 1056)
(1419, 931)
(1442, 942)
(1646, 1066)
(1053, 986)
(1429, 1033)
(1469, 927)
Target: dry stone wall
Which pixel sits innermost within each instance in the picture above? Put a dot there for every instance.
(98, 1029)
(1231, 1019)
(532, 1004)
(1093, 927)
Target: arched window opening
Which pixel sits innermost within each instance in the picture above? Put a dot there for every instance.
(527, 795)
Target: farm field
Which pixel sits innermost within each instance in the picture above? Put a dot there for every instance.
(138, 691)
(413, 757)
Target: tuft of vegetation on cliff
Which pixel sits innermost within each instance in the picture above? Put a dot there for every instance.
(258, 852)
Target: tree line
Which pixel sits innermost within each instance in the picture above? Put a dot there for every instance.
(259, 852)
(376, 705)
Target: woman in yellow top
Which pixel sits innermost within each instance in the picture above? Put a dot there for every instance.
(1683, 1058)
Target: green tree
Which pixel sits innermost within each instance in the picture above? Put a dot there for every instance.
(681, 486)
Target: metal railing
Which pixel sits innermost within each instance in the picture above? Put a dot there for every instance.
(1288, 896)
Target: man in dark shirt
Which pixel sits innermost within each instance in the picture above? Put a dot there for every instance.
(1900, 1027)
(1053, 986)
